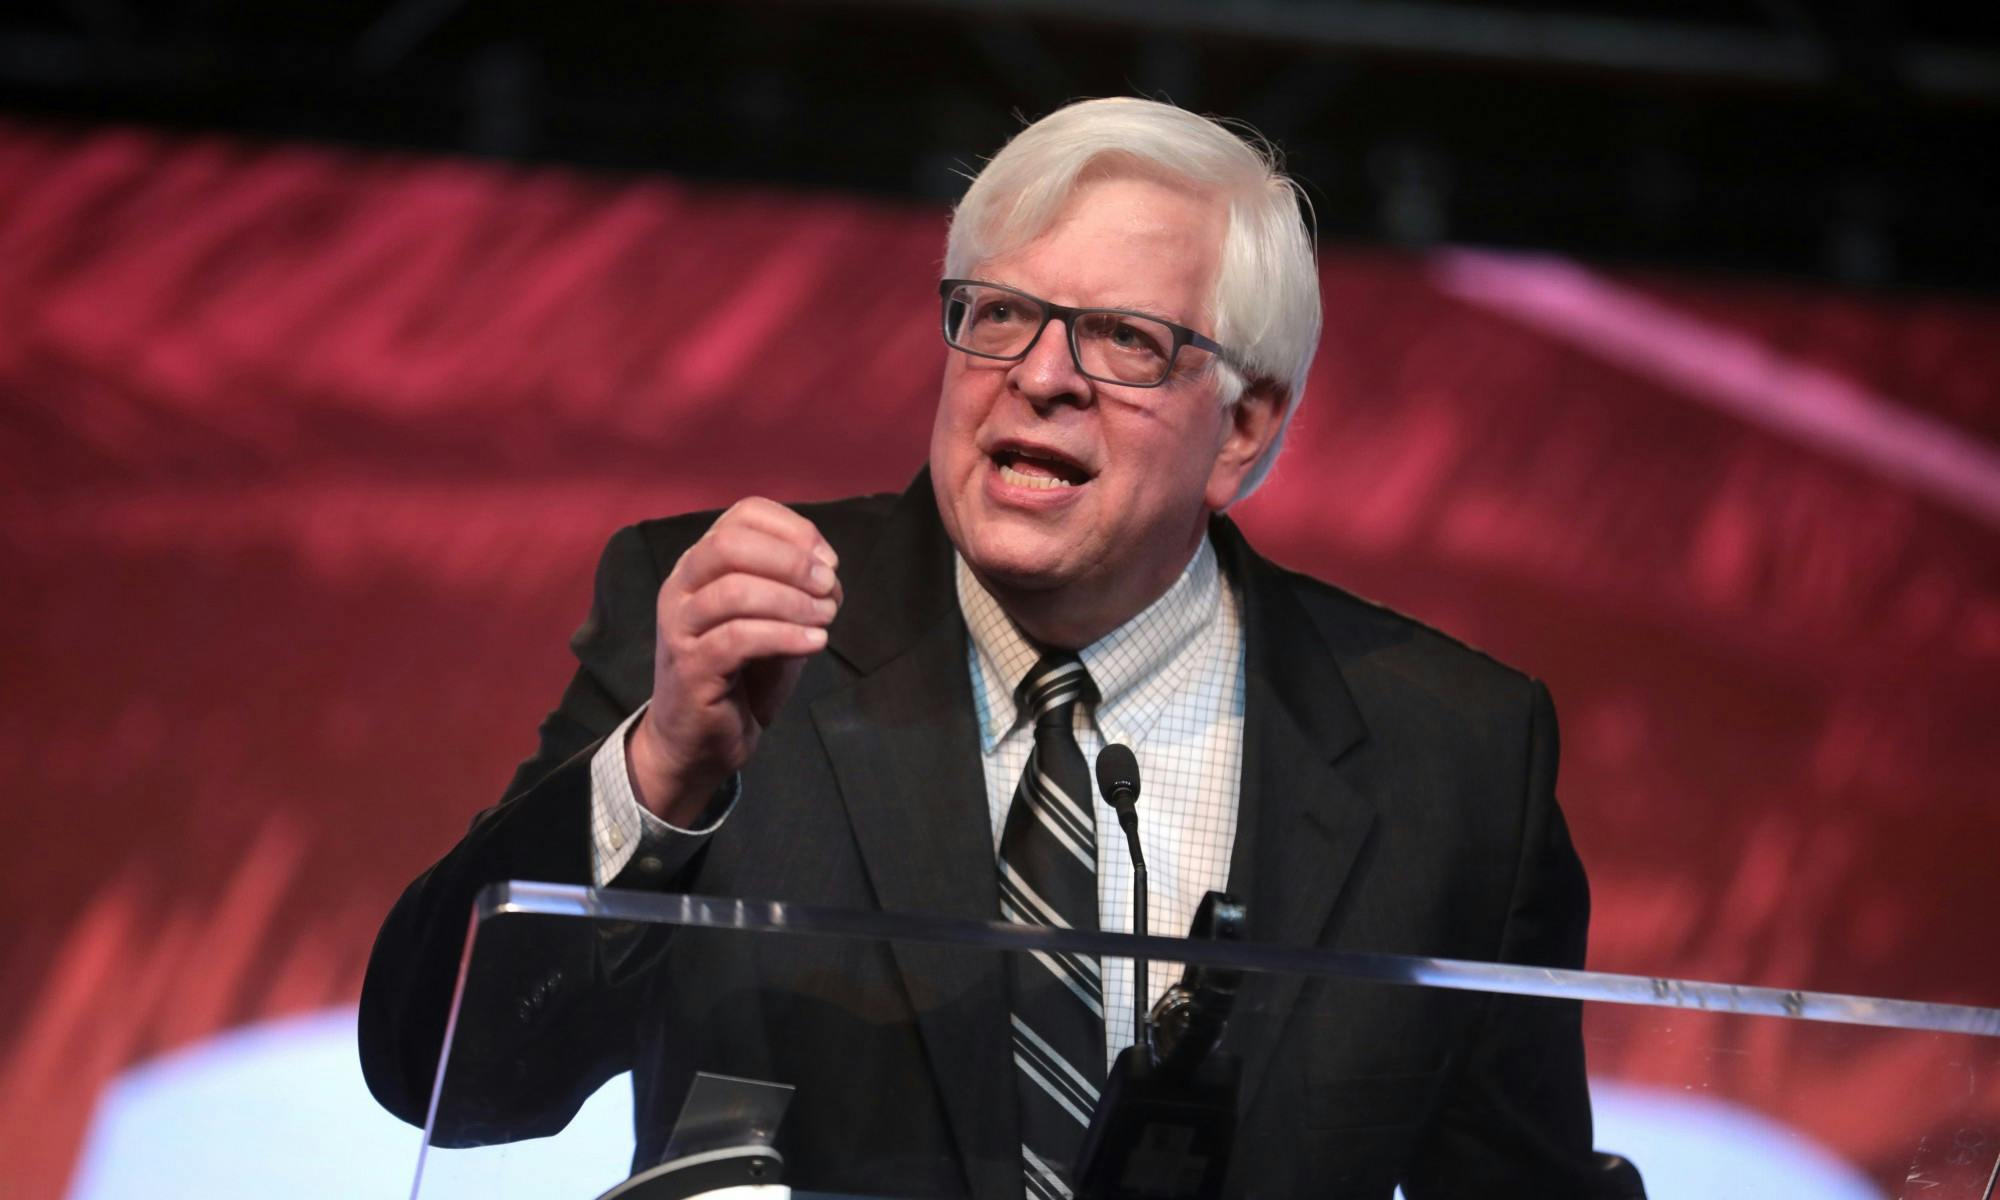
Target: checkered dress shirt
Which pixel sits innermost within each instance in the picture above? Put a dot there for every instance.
(1170, 682)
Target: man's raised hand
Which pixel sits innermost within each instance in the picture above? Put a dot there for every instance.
(738, 616)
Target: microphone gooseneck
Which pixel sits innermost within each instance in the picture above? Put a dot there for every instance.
(1118, 779)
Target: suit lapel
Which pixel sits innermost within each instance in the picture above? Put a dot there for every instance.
(1300, 825)
(905, 752)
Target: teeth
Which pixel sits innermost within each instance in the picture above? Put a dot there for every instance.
(1032, 481)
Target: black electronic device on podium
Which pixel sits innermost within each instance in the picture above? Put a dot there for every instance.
(1167, 1118)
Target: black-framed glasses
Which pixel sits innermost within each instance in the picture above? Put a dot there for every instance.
(1110, 345)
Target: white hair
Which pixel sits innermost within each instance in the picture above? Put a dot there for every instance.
(1266, 304)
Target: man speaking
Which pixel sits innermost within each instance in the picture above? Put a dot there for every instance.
(889, 703)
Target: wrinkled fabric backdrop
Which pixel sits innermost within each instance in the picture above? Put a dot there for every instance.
(305, 456)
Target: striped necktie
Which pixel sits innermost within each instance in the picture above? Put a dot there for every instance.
(1048, 876)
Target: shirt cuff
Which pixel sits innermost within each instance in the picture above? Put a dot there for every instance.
(619, 824)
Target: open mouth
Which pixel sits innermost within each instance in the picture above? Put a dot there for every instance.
(1038, 469)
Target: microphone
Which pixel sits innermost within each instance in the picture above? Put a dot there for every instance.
(1118, 779)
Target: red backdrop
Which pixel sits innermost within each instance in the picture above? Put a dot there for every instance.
(305, 456)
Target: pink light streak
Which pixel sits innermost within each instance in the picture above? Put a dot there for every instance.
(1733, 373)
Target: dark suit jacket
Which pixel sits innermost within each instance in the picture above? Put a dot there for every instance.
(1397, 796)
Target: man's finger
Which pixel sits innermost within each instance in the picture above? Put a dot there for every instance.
(740, 594)
(739, 547)
(730, 646)
(780, 522)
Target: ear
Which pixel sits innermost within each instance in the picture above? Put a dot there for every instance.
(1249, 427)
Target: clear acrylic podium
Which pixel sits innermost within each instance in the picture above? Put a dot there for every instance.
(1711, 1090)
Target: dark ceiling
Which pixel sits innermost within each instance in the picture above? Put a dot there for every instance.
(1851, 142)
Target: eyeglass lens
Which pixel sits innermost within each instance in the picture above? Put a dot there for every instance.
(1110, 346)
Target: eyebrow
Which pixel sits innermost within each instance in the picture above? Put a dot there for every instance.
(1134, 309)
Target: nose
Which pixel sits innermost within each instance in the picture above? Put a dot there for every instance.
(1048, 374)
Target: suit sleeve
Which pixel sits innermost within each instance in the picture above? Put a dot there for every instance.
(540, 993)
(1518, 1122)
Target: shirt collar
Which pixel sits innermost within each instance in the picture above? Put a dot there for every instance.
(1130, 666)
